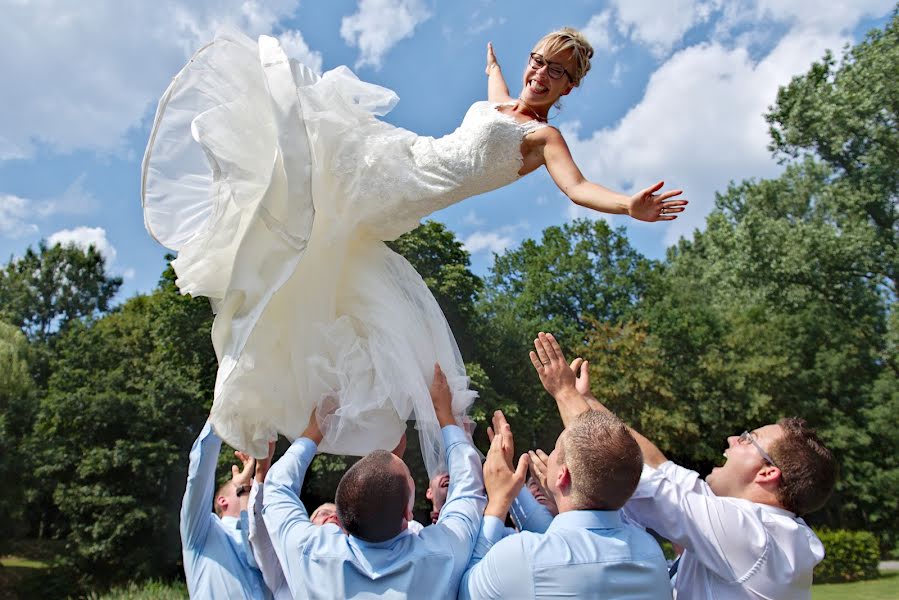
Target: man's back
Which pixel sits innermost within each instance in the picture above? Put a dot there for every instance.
(216, 564)
(582, 554)
(734, 548)
(323, 562)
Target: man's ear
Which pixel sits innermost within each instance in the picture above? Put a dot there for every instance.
(429, 494)
(568, 90)
(563, 479)
(768, 474)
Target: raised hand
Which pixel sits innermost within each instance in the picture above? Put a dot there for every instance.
(263, 464)
(442, 398)
(491, 58)
(539, 458)
(646, 205)
(580, 369)
(313, 431)
(502, 479)
(549, 361)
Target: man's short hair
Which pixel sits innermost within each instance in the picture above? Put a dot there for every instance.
(372, 497)
(604, 460)
(808, 470)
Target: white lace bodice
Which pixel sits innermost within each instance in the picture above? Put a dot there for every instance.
(407, 178)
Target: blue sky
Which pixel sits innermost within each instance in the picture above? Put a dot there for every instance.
(676, 92)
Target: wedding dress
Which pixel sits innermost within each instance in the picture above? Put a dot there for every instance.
(277, 188)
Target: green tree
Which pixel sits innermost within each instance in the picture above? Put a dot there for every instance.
(17, 396)
(48, 289)
(578, 273)
(127, 396)
(847, 115)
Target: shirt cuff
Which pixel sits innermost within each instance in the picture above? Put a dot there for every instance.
(493, 529)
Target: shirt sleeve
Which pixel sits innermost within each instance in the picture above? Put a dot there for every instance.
(196, 507)
(497, 565)
(724, 534)
(284, 514)
(261, 544)
(529, 514)
(465, 500)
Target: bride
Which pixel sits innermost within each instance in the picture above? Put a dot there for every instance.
(277, 188)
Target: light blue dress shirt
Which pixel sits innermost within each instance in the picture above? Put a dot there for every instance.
(217, 563)
(323, 562)
(577, 554)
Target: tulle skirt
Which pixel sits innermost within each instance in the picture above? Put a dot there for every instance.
(256, 174)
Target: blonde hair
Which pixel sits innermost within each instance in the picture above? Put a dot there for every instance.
(568, 38)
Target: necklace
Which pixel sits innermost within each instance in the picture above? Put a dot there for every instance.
(533, 112)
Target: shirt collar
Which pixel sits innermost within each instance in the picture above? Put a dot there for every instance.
(384, 544)
(587, 519)
(231, 522)
(776, 510)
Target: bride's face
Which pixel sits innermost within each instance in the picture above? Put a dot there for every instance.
(546, 78)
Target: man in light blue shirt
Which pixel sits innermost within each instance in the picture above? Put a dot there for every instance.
(378, 556)
(587, 551)
(217, 560)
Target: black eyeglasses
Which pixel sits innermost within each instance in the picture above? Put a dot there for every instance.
(553, 69)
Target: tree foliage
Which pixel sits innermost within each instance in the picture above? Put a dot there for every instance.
(49, 288)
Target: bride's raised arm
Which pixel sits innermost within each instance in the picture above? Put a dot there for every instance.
(645, 205)
(497, 90)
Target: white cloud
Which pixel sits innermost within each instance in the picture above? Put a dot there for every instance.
(472, 218)
(86, 72)
(296, 47)
(377, 26)
(14, 212)
(84, 237)
(487, 240)
(660, 25)
(18, 215)
(599, 32)
(699, 124)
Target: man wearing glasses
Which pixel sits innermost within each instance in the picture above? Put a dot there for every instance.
(741, 527)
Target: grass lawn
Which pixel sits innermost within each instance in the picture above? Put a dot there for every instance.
(885, 588)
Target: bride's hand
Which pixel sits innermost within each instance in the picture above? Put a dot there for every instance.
(491, 58)
(646, 205)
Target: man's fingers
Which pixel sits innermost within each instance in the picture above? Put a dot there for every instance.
(585, 373)
(555, 350)
(235, 471)
(541, 350)
(490, 434)
(535, 360)
(576, 364)
(521, 472)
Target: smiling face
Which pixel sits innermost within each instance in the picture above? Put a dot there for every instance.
(743, 462)
(437, 491)
(541, 91)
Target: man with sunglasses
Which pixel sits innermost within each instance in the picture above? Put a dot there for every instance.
(740, 527)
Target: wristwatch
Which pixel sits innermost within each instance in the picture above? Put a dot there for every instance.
(242, 489)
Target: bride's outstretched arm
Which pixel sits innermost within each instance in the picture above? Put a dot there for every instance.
(497, 90)
(645, 205)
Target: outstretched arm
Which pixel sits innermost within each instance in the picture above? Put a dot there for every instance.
(645, 205)
(497, 90)
(569, 385)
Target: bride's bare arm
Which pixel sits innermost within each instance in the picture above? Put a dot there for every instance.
(645, 205)
(497, 90)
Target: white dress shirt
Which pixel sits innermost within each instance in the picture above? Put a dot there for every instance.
(734, 548)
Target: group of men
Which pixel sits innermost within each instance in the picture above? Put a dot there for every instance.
(604, 484)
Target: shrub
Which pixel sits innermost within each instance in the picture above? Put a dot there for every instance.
(849, 556)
